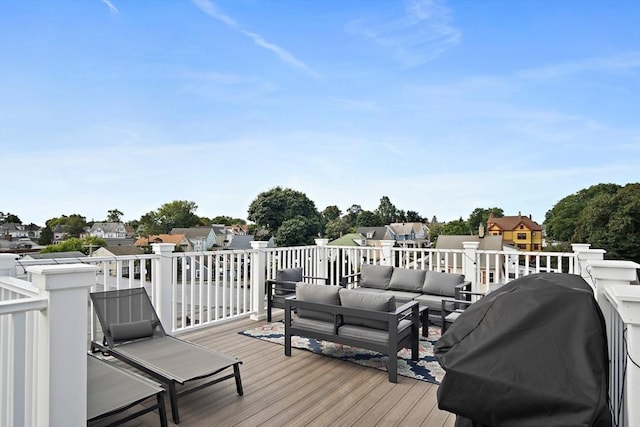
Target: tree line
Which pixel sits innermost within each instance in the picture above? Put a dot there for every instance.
(605, 215)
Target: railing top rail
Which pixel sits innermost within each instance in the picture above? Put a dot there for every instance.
(19, 286)
(529, 253)
(214, 252)
(22, 305)
(87, 260)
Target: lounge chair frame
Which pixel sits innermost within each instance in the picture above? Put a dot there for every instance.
(168, 359)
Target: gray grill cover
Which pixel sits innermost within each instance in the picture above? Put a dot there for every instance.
(532, 353)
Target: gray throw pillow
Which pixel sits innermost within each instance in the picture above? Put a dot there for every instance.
(131, 330)
(437, 283)
(367, 301)
(375, 276)
(322, 294)
(404, 279)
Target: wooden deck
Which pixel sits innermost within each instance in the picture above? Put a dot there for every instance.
(303, 390)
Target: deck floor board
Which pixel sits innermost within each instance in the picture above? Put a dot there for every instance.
(302, 390)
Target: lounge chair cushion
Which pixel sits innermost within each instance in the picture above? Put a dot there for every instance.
(405, 279)
(131, 330)
(376, 335)
(321, 294)
(367, 301)
(292, 275)
(437, 283)
(375, 276)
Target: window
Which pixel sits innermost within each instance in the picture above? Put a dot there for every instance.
(522, 236)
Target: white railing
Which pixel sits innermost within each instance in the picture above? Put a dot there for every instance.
(19, 304)
(196, 289)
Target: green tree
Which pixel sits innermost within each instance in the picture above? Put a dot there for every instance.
(331, 213)
(612, 222)
(179, 213)
(114, 215)
(84, 245)
(272, 208)
(337, 228)
(456, 227)
(413, 216)
(480, 216)
(9, 218)
(369, 219)
(46, 236)
(226, 220)
(297, 231)
(386, 211)
(562, 219)
(352, 214)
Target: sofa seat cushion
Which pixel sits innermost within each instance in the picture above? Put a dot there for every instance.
(370, 290)
(314, 325)
(322, 294)
(405, 279)
(434, 302)
(366, 301)
(371, 334)
(402, 297)
(437, 283)
(375, 276)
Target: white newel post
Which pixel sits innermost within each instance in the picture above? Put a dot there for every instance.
(322, 260)
(8, 265)
(469, 264)
(258, 277)
(584, 255)
(612, 280)
(62, 343)
(163, 273)
(385, 248)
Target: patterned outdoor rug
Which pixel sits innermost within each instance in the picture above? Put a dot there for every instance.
(425, 369)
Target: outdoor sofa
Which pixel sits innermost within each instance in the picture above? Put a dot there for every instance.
(428, 288)
(353, 318)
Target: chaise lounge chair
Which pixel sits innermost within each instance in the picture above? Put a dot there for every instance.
(133, 333)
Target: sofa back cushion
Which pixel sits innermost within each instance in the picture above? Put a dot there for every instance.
(322, 294)
(405, 279)
(375, 276)
(437, 283)
(288, 275)
(366, 301)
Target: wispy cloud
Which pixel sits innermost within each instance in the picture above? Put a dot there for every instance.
(421, 35)
(285, 56)
(111, 7)
(616, 63)
(356, 104)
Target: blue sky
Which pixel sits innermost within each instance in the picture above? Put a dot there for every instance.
(441, 106)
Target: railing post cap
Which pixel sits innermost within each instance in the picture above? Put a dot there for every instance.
(56, 277)
(322, 241)
(163, 247)
(259, 244)
(471, 245)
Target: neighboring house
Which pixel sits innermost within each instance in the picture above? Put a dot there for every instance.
(371, 236)
(21, 245)
(127, 242)
(182, 243)
(243, 241)
(489, 266)
(56, 255)
(409, 234)
(58, 234)
(201, 238)
(108, 230)
(120, 251)
(15, 231)
(519, 231)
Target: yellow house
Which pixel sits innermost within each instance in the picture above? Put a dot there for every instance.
(520, 231)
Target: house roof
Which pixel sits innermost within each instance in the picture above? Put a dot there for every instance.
(124, 250)
(160, 238)
(406, 227)
(108, 227)
(377, 233)
(54, 255)
(243, 241)
(510, 223)
(350, 239)
(455, 242)
(193, 232)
